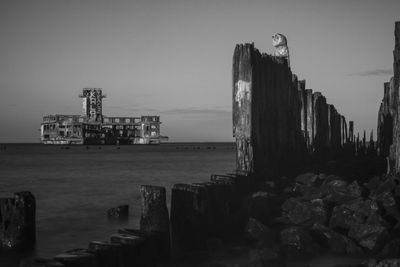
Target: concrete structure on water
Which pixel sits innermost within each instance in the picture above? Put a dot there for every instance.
(94, 128)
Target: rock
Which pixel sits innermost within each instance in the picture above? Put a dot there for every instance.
(388, 202)
(364, 207)
(257, 231)
(388, 263)
(343, 218)
(333, 241)
(373, 183)
(263, 206)
(306, 179)
(297, 242)
(370, 237)
(266, 257)
(338, 192)
(120, 212)
(390, 250)
(18, 221)
(385, 184)
(299, 212)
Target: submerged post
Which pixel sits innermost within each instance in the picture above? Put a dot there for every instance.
(17, 221)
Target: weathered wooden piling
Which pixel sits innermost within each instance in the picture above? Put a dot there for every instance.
(119, 213)
(40, 262)
(106, 254)
(154, 217)
(77, 258)
(17, 221)
(301, 88)
(129, 249)
(266, 113)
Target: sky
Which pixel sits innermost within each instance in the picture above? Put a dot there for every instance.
(173, 58)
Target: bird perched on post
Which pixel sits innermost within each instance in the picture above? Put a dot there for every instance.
(279, 41)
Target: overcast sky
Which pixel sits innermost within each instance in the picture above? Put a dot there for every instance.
(174, 58)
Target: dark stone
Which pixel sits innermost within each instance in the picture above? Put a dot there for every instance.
(17, 222)
(307, 179)
(77, 258)
(120, 212)
(270, 257)
(257, 231)
(370, 237)
(388, 263)
(333, 241)
(300, 212)
(364, 207)
(343, 218)
(297, 242)
(263, 206)
(390, 250)
(388, 202)
(339, 192)
(41, 262)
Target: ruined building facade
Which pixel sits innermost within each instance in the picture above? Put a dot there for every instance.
(92, 127)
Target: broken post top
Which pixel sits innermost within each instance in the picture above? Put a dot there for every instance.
(279, 41)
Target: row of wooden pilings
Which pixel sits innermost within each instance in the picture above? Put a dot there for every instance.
(200, 212)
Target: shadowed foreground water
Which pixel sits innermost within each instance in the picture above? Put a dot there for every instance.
(74, 187)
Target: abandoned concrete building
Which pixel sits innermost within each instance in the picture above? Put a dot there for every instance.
(92, 127)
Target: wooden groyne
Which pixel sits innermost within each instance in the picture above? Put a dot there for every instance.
(277, 122)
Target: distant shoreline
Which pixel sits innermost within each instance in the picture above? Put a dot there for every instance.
(165, 143)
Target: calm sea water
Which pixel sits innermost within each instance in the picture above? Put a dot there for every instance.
(74, 187)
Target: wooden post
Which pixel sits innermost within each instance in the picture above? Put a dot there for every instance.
(41, 262)
(17, 221)
(76, 258)
(106, 253)
(154, 216)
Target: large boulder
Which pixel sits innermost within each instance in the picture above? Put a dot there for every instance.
(388, 202)
(304, 212)
(333, 241)
(258, 232)
(390, 250)
(339, 192)
(388, 263)
(270, 257)
(263, 206)
(297, 242)
(372, 237)
(344, 218)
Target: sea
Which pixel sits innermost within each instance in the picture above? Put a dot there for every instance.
(74, 186)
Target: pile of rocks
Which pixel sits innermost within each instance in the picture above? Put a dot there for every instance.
(326, 213)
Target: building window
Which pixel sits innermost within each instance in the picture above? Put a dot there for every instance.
(127, 120)
(116, 119)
